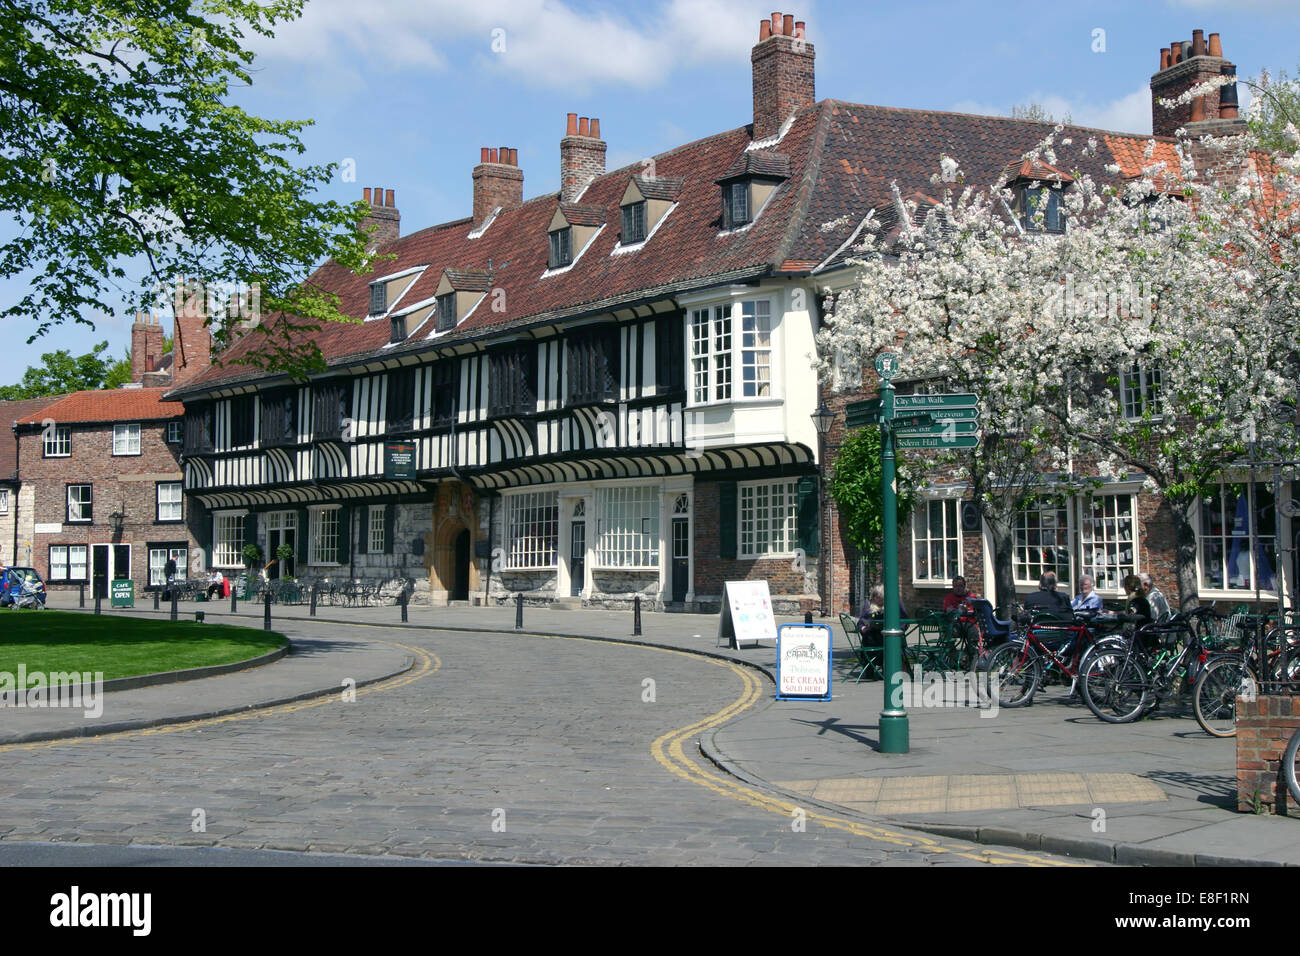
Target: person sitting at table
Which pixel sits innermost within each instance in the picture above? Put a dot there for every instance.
(1159, 604)
(871, 620)
(215, 583)
(1087, 599)
(958, 596)
(1047, 598)
(1136, 603)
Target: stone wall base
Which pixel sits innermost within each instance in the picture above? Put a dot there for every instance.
(1264, 728)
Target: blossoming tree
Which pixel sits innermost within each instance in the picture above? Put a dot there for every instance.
(1155, 336)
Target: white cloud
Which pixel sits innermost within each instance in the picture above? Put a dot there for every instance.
(1130, 113)
(546, 41)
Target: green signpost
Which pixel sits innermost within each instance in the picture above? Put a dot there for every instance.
(926, 421)
(121, 593)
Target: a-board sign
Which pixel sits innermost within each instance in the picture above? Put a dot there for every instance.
(746, 614)
(803, 662)
(121, 593)
(399, 459)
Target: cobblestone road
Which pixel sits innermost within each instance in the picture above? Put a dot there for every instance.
(495, 747)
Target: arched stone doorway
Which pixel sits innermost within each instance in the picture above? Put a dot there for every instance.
(454, 576)
(459, 590)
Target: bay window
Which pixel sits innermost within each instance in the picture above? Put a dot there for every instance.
(1042, 543)
(1108, 539)
(716, 351)
(1223, 538)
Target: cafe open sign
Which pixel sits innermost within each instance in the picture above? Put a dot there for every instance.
(399, 459)
(803, 662)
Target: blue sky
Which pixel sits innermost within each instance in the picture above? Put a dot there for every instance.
(409, 90)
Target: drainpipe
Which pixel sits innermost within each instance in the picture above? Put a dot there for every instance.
(492, 524)
(18, 457)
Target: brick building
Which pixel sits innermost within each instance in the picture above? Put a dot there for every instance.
(16, 497)
(104, 476)
(607, 391)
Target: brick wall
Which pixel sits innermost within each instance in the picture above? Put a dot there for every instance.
(784, 82)
(496, 184)
(582, 157)
(1176, 80)
(126, 483)
(1264, 727)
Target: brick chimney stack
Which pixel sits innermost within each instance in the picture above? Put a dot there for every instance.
(783, 73)
(1187, 63)
(191, 337)
(498, 181)
(146, 345)
(582, 156)
(383, 217)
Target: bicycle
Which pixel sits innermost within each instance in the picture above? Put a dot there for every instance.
(1226, 676)
(1023, 664)
(1291, 767)
(1121, 682)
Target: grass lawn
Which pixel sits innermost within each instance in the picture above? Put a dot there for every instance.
(121, 646)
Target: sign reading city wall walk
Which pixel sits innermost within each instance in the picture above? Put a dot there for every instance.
(803, 662)
(746, 614)
(399, 459)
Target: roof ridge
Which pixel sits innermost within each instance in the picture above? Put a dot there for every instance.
(807, 185)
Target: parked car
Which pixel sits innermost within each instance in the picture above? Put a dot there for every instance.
(22, 587)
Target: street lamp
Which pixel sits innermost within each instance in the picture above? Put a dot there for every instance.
(822, 419)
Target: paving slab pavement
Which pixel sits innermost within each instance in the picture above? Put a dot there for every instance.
(1049, 776)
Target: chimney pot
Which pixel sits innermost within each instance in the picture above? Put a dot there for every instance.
(483, 154)
(1175, 52)
(492, 155)
(1164, 58)
(787, 25)
(783, 77)
(1216, 46)
(584, 126)
(365, 193)
(389, 200)
(799, 29)
(1198, 43)
(764, 30)
(595, 128)
(776, 22)
(1187, 50)
(572, 128)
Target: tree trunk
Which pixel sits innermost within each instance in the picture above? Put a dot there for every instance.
(1004, 582)
(1183, 512)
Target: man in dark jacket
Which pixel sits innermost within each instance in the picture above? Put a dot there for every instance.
(1047, 598)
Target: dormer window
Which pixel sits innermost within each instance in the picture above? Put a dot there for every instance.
(446, 311)
(633, 223)
(378, 298)
(1042, 209)
(398, 331)
(735, 205)
(561, 247)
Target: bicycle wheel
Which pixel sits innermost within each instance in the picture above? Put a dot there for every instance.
(1012, 675)
(1214, 701)
(1114, 686)
(1291, 767)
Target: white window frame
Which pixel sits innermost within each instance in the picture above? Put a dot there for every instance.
(178, 503)
(1111, 534)
(126, 439)
(1139, 392)
(949, 532)
(318, 556)
(526, 514)
(90, 500)
(765, 526)
(1227, 537)
(1031, 521)
(628, 527)
(68, 564)
(156, 568)
(722, 344)
(175, 433)
(4, 501)
(226, 554)
(375, 533)
(57, 443)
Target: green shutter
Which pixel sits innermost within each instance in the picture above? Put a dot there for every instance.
(809, 525)
(303, 534)
(727, 511)
(363, 541)
(345, 534)
(390, 524)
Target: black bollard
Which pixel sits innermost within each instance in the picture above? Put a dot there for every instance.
(519, 612)
(155, 600)
(96, 603)
(636, 616)
(807, 617)
(312, 612)
(266, 610)
(174, 604)
(401, 599)
(234, 601)
(81, 595)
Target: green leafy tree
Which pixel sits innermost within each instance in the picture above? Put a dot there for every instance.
(1276, 105)
(61, 372)
(126, 165)
(855, 488)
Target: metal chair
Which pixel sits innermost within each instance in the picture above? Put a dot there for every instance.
(870, 658)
